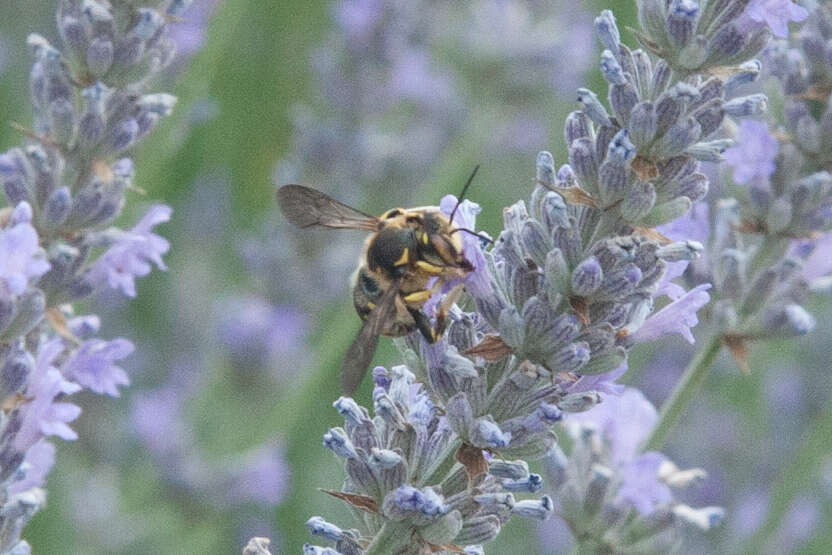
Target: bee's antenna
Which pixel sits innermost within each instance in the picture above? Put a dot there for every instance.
(464, 190)
(466, 230)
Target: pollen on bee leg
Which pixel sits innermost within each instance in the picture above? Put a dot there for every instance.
(418, 296)
(428, 267)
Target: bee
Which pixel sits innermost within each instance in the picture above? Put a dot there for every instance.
(408, 256)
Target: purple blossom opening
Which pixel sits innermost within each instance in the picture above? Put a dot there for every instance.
(39, 460)
(477, 282)
(157, 419)
(753, 156)
(602, 383)
(93, 365)
(42, 416)
(133, 254)
(21, 258)
(777, 14)
(262, 478)
(677, 317)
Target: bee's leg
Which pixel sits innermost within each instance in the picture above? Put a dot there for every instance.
(444, 307)
(423, 325)
(429, 268)
(417, 298)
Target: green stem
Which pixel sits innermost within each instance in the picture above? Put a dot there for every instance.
(681, 397)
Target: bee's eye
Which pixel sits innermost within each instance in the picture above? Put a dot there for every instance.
(392, 214)
(414, 219)
(369, 285)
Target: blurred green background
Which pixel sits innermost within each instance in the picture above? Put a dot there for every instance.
(215, 163)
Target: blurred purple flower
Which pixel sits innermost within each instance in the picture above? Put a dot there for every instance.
(799, 522)
(189, 34)
(157, 419)
(749, 513)
(43, 416)
(818, 264)
(625, 422)
(133, 253)
(39, 460)
(776, 14)
(753, 156)
(677, 317)
(413, 77)
(262, 477)
(93, 365)
(358, 17)
(257, 333)
(21, 258)
(640, 485)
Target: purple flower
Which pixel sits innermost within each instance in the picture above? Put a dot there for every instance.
(189, 34)
(133, 253)
(753, 156)
(602, 383)
(42, 416)
(818, 264)
(21, 258)
(39, 460)
(677, 317)
(640, 485)
(477, 282)
(776, 14)
(93, 365)
(257, 333)
(623, 421)
(157, 419)
(358, 17)
(262, 477)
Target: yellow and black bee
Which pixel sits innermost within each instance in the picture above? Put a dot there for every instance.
(406, 249)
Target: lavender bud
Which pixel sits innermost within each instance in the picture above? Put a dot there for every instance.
(596, 489)
(15, 371)
(100, 56)
(29, 312)
(531, 484)
(681, 21)
(492, 500)
(569, 359)
(576, 127)
(730, 272)
(621, 283)
(485, 433)
(710, 151)
(678, 138)
(57, 207)
(668, 110)
(680, 250)
(22, 213)
(746, 73)
(808, 134)
(593, 107)
(705, 518)
(566, 176)
(510, 470)
(535, 241)
(350, 410)
(642, 124)
(613, 178)
(73, 34)
(319, 527)
(545, 169)
(384, 458)
(725, 44)
(790, 320)
(587, 277)
(621, 149)
(607, 31)
(98, 19)
(744, 106)
(479, 529)
(622, 99)
(124, 135)
(540, 509)
(612, 69)
(336, 440)
(579, 402)
(127, 53)
(582, 160)
(638, 202)
(61, 120)
(779, 215)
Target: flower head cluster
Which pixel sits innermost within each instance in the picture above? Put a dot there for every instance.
(400, 479)
(615, 497)
(64, 187)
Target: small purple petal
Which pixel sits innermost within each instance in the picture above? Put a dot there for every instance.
(677, 317)
(93, 365)
(753, 156)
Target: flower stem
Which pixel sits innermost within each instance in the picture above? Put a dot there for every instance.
(681, 397)
(390, 539)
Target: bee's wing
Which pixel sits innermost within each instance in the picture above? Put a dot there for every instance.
(307, 207)
(360, 353)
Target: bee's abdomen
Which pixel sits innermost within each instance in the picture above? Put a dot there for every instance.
(391, 251)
